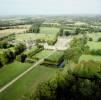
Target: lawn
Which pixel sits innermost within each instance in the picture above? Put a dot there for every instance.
(10, 71)
(42, 54)
(27, 84)
(90, 57)
(94, 45)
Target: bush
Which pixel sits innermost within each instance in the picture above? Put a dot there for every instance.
(19, 48)
(67, 33)
(99, 39)
(7, 56)
(96, 52)
(90, 39)
(21, 58)
(1, 64)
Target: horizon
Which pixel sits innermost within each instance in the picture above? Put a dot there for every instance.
(49, 7)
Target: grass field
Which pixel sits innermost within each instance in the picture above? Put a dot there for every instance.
(48, 30)
(46, 34)
(90, 57)
(42, 54)
(27, 84)
(10, 71)
(35, 36)
(94, 45)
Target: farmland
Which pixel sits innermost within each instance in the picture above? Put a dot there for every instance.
(18, 29)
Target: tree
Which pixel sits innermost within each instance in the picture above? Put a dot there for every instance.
(67, 33)
(21, 57)
(8, 56)
(19, 48)
(3, 44)
(1, 64)
(35, 28)
(77, 31)
(61, 31)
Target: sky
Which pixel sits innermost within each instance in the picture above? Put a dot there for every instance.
(49, 7)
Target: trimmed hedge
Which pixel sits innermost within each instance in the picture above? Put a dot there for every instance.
(55, 59)
(33, 51)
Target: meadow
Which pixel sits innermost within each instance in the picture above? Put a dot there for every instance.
(10, 71)
(27, 84)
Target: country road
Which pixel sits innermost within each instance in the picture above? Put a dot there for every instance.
(22, 74)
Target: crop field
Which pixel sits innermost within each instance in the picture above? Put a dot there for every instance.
(10, 31)
(90, 57)
(10, 71)
(27, 84)
(22, 26)
(16, 29)
(42, 54)
(94, 45)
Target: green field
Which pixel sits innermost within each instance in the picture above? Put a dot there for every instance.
(10, 71)
(46, 34)
(42, 54)
(48, 30)
(35, 36)
(28, 83)
(94, 45)
(90, 57)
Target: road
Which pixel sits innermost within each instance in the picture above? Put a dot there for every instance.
(22, 74)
